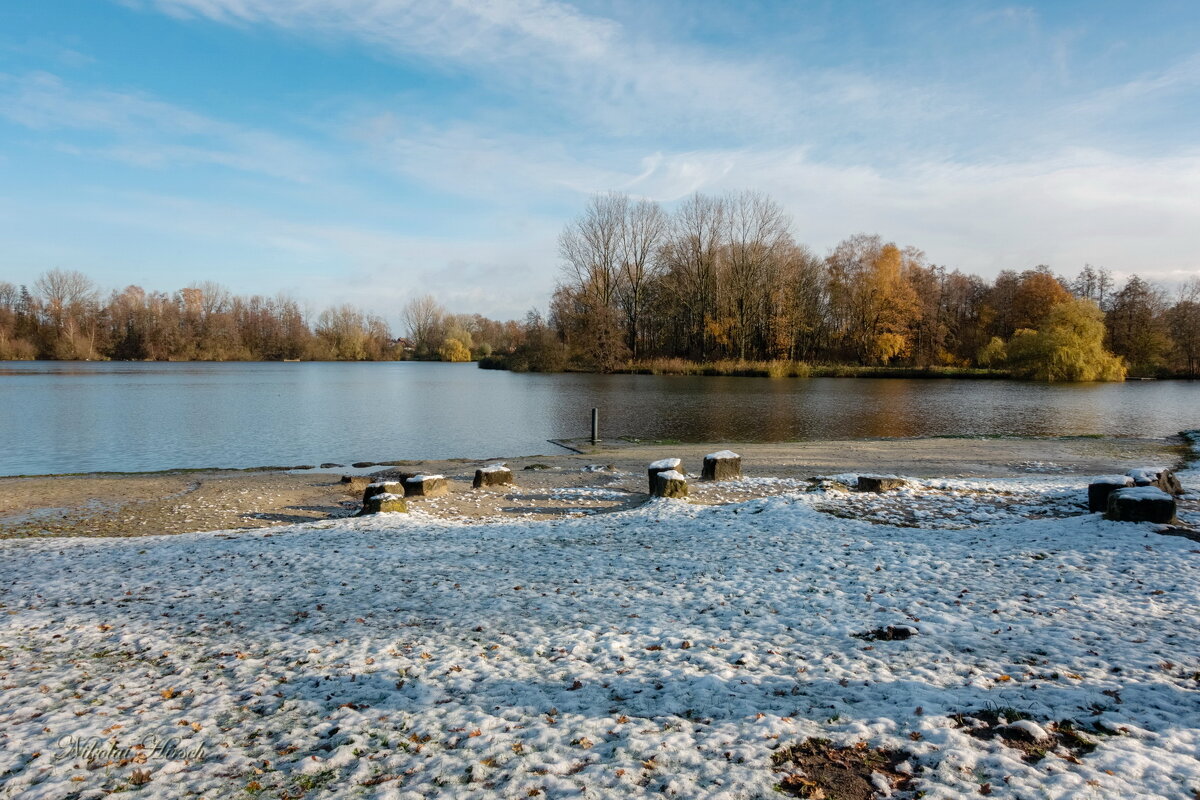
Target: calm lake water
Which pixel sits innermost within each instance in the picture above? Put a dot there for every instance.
(77, 417)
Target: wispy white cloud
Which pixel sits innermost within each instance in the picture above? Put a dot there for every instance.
(1074, 206)
(148, 132)
(455, 28)
(635, 110)
(1157, 86)
(590, 67)
(1130, 214)
(463, 159)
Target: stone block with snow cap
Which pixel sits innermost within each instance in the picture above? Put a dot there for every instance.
(492, 475)
(1101, 488)
(723, 465)
(670, 483)
(383, 503)
(662, 465)
(1141, 504)
(382, 487)
(426, 486)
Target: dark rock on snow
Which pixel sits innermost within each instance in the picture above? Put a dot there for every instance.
(495, 475)
(670, 483)
(1141, 504)
(426, 486)
(1099, 491)
(723, 466)
(662, 465)
(384, 502)
(875, 483)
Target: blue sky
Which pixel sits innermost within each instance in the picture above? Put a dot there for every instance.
(373, 150)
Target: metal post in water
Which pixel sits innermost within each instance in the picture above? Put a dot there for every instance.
(595, 425)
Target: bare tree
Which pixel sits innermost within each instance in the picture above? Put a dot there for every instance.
(1184, 321)
(424, 319)
(803, 318)
(70, 302)
(591, 248)
(208, 298)
(1137, 326)
(691, 258)
(757, 231)
(642, 231)
(66, 294)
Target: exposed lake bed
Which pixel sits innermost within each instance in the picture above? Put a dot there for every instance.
(554, 483)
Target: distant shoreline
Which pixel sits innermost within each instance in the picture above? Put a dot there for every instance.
(672, 367)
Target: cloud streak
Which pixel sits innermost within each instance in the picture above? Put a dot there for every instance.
(589, 67)
(507, 114)
(148, 132)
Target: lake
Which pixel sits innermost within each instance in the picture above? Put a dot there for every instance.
(60, 417)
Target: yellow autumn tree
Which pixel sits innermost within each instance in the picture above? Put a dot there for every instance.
(1068, 346)
(888, 345)
(873, 304)
(454, 350)
(992, 354)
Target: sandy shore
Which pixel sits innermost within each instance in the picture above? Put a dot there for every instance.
(607, 477)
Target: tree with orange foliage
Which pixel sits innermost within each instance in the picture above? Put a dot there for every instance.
(1022, 300)
(872, 302)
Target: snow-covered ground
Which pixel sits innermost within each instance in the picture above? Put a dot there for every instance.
(668, 650)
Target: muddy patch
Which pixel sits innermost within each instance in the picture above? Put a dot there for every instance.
(1034, 739)
(889, 633)
(817, 770)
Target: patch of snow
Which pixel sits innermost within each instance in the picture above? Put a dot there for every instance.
(1031, 729)
(1112, 480)
(1143, 493)
(762, 482)
(666, 463)
(588, 493)
(881, 784)
(1144, 474)
(723, 454)
(1040, 466)
(948, 503)
(1192, 469)
(412, 656)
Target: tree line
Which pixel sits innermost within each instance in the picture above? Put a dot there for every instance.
(64, 315)
(724, 278)
(720, 281)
